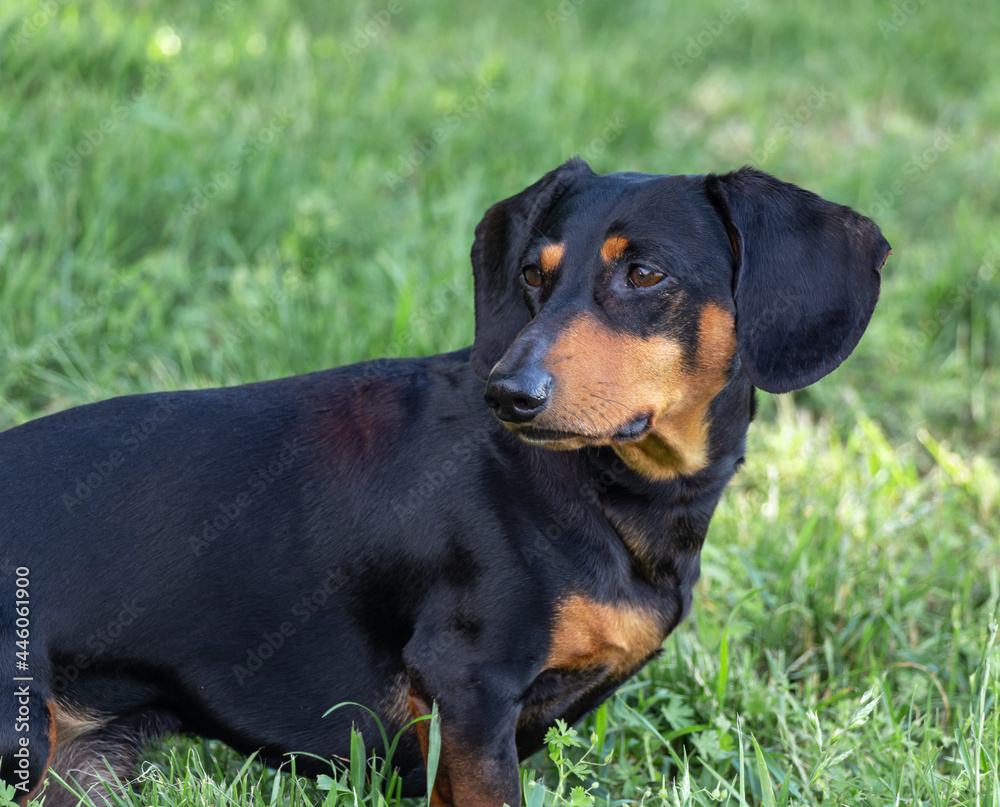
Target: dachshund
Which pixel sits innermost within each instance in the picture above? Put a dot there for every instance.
(509, 531)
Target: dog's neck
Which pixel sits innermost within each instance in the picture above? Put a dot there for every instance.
(663, 524)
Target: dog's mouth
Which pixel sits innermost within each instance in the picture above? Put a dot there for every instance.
(631, 432)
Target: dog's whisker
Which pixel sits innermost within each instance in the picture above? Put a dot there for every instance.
(628, 409)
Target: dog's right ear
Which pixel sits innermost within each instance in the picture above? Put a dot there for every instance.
(500, 239)
(807, 276)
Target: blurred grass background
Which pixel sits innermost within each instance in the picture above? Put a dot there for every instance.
(201, 194)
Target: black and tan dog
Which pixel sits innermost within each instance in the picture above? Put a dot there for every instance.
(234, 562)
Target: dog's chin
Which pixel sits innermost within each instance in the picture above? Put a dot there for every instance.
(568, 440)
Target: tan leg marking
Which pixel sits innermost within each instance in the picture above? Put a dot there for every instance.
(81, 757)
(441, 794)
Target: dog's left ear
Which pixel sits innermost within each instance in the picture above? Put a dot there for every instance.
(807, 277)
(500, 239)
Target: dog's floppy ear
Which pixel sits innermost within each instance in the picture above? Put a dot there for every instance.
(500, 239)
(807, 277)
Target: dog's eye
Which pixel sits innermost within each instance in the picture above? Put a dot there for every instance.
(643, 277)
(532, 276)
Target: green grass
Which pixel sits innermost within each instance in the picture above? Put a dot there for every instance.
(288, 192)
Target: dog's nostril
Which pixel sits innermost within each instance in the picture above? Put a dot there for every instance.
(520, 396)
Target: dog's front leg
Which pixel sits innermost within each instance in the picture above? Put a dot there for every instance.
(477, 703)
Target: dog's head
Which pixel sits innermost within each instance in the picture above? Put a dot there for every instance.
(611, 310)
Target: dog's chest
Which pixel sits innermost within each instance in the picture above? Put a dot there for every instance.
(588, 634)
(593, 648)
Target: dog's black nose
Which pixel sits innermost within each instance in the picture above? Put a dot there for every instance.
(520, 396)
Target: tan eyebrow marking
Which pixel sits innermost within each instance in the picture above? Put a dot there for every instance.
(613, 248)
(552, 254)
